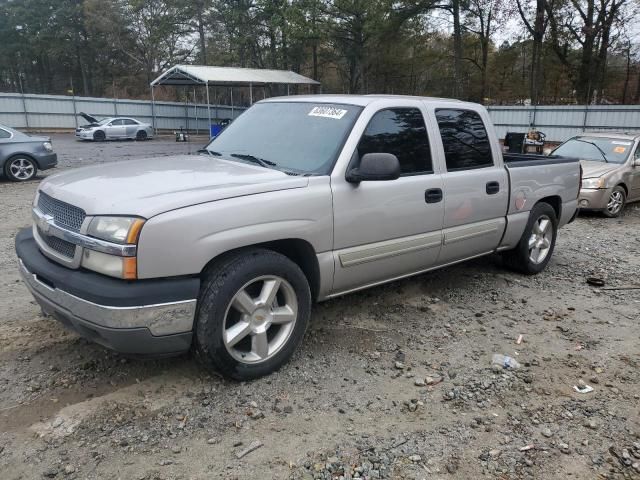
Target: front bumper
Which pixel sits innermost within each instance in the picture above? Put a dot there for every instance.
(594, 199)
(144, 317)
(46, 160)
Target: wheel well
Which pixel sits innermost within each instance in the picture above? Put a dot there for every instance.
(298, 251)
(626, 190)
(555, 202)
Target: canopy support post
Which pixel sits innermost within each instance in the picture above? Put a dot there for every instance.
(153, 108)
(287, 89)
(208, 110)
(195, 110)
(250, 93)
(231, 88)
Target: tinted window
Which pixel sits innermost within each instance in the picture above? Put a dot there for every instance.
(117, 123)
(128, 121)
(402, 132)
(4, 134)
(465, 140)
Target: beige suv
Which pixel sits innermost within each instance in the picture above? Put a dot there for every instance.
(611, 164)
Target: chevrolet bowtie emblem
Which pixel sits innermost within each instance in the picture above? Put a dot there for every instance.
(45, 223)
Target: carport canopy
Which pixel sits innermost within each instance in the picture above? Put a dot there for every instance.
(206, 76)
(229, 76)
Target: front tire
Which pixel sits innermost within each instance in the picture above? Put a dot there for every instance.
(616, 202)
(533, 252)
(253, 311)
(20, 169)
(99, 136)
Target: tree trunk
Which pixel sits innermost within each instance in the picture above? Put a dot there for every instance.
(457, 50)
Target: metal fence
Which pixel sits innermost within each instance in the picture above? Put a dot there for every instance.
(562, 122)
(58, 111)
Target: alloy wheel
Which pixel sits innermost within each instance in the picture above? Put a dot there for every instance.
(22, 169)
(260, 319)
(616, 201)
(540, 240)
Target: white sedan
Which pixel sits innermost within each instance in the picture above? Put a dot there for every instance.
(114, 128)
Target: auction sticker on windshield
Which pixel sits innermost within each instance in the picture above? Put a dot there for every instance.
(328, 112)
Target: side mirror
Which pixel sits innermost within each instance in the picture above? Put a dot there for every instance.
(636, 162)
(375, 167)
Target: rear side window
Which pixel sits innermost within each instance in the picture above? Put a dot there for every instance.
(4, 134)
(128, 121)
(465, 140)
(402, 132)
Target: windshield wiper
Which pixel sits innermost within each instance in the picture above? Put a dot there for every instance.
(209, 152)
(604, 155)
(252, 158)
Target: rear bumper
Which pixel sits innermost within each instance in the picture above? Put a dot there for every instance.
(594, 199)
(147, 317)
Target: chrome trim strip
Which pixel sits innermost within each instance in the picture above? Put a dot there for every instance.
(467, 233)
(161, 319)
(48, 226)
(388, 248)
(400, 277)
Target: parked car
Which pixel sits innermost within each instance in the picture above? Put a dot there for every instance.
(611, 163)
(22, 155)
(300, 199)
(113, 128)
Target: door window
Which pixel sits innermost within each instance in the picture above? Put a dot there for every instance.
(401, 132)
(4, 134)
(465, 140)
(128, 121)
(117, 123)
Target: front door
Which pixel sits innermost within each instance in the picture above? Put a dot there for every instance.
(634, 188)
(115, 129)
(388, 229)
(476, 189)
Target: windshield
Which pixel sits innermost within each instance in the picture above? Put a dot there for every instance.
(104, 121)
(597, 149)
(298, 137)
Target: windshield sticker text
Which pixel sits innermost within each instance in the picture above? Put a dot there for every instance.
(619, 149)
(328, 112)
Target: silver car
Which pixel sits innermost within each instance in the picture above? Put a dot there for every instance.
(611, 169)
(113, 128)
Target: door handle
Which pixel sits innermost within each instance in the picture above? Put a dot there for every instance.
(433, 195)
(493, 188)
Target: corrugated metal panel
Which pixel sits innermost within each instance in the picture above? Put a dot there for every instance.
(56, 111)
(562, 122)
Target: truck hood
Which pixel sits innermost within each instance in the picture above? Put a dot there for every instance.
(593, 169)
(156, 185)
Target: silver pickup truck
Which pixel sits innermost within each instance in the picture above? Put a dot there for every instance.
(301, 199)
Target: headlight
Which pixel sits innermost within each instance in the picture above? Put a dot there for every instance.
(116, 229)
(47, 146)
(121, 230)
(593, 183)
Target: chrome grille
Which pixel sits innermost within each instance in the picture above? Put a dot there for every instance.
(64, 215)
(61, 246)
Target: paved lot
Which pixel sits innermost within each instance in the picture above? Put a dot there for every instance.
(394, 382)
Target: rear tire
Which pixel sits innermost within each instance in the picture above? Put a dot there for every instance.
(99, 136)
(253, 311)
(535, 248)
(616, 202)
(141, 136)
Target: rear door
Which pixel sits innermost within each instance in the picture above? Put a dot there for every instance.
(475, 185)
(388, 229)
(131, 127)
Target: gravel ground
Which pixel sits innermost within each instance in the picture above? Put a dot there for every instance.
(393, 382)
